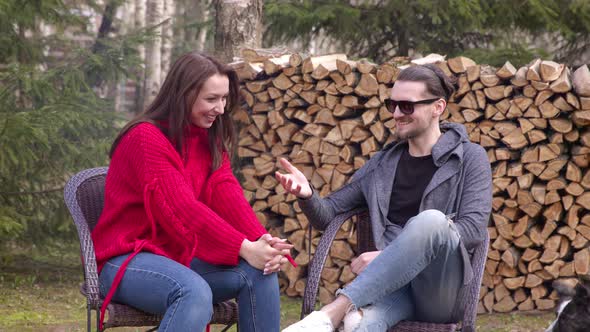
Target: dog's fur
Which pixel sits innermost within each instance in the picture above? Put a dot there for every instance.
(573, 314)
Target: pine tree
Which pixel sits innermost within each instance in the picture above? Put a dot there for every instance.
(53, 121)
(379, 30)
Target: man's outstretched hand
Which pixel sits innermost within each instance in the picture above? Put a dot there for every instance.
(293, 181)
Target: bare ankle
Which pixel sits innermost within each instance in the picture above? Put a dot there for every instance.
(337, 309)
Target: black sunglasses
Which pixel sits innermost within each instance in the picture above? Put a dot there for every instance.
(406, 106)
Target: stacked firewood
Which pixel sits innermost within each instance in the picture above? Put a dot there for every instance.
(326, 115)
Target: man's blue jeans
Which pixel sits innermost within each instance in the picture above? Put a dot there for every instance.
(185, 296)
(417, 276)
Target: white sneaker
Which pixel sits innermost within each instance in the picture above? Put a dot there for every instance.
(317, 321)
(351, 321)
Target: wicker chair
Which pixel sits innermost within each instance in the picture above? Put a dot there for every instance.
(468, 295)
(84, 196)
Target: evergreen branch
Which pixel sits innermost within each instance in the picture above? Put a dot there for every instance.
(4, 128)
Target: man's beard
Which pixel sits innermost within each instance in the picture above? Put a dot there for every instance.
(412, 133)
(405, 136)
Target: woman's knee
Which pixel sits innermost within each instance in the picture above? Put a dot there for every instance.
(258, 283)
(195, 293)
(271, 284)
(254, 275)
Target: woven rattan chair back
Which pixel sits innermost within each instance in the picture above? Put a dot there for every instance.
(90, 197)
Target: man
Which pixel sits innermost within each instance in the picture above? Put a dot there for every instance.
(429, 196)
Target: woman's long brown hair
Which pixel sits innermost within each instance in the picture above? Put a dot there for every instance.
(174, 101)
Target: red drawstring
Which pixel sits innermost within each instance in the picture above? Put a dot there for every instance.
(148, 206)
(116, 281)
(138, 246)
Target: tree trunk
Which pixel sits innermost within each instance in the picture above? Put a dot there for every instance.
(180, 21)
(153, 60)
(127, 24)
(204, 30)
(238, 24)
(140, 8)
(105, 25)
(403, 43)
(96, 79)
(167, 39)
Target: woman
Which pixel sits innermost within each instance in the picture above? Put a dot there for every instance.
(176, 234)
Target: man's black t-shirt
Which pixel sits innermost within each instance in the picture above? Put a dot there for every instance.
(411, 178)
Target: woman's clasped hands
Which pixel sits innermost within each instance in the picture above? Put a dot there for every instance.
(268, 253)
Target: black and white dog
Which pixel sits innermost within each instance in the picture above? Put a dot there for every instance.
(573, 310)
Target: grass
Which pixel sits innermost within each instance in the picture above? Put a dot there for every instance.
(39, 289)
(39, 292)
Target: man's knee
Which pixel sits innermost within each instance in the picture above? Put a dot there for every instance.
(431, 226)
(432, 216)
(429, 220)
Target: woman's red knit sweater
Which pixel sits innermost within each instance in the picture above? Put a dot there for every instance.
(158, 201)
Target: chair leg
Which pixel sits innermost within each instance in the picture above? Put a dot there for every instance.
(88, 319)
(98, 321)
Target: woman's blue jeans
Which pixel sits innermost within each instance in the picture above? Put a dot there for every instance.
(417, 276)
(185, 296)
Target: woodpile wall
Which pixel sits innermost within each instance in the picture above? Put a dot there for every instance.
(326, 115)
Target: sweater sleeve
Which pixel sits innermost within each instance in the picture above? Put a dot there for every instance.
(158, 170)
(225, 196)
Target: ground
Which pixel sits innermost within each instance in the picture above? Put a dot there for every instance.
(39, 292)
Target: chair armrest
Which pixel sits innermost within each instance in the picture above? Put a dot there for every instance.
(472, 298)
(90, 269)
(319, 259)
(94, 177)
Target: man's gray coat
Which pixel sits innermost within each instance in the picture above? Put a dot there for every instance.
(461, 187)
